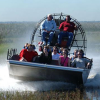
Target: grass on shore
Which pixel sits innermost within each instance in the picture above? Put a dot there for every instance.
(69, 95)
(3, 47)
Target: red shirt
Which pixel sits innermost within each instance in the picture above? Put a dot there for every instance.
(28, 55)
(67, 26)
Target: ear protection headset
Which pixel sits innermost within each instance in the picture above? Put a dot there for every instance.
(83, 54)
(51, 17)
(25, 47)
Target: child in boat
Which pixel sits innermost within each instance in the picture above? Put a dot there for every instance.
(45, 56)
(64, 60)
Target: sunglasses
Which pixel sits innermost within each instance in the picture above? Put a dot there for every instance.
(79, 54)
(64, 52)
(54, 50)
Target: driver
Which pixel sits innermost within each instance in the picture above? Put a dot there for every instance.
(67, 28)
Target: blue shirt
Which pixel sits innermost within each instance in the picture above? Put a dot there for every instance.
(48, 25)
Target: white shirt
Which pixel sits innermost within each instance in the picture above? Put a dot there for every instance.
(55, 56)
(48, 25)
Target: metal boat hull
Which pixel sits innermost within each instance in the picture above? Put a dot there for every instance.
(37, 72)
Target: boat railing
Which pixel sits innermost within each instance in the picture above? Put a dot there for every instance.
(11, 52)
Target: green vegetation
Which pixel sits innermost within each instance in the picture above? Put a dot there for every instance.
(3, 47)
(15, 29)
(55, 95)
(10, 32)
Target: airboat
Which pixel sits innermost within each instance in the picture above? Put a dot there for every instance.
(36, 71)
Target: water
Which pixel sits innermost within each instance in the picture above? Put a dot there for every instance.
(92, 84)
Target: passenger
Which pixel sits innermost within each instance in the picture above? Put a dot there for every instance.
(55, 55)
(67, 28)
(61, 50)
(45, 56)
(74, 55)
(64, 60)
(33, 49)
(26, 45)
(48, 27)
(27, 54)
(80, 61)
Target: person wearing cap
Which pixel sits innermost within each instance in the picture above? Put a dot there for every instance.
(66, 30)
(48, 26)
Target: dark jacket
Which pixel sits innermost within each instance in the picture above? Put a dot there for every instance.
(45, 59)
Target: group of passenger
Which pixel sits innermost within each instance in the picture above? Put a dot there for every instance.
(66, 28)
(48, 55)
(28, 54)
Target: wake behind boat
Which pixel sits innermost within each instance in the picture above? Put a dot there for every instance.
(50, 72)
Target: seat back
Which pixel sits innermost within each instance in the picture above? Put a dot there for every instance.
(15, 57)
(54, 62)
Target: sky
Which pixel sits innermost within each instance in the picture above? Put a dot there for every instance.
(35, 10)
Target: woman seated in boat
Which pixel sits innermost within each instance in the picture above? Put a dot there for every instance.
(81, 61)
(74, 55)
(64, 60)
(28, 54)
(45, 56)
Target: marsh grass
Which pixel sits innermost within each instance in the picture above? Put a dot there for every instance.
(3, 47)
(49, 95)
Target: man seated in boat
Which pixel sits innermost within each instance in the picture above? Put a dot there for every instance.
(28, 54)
(81, 61)
(48, 26)
(64, 60)
(45, 56)
(66, 30)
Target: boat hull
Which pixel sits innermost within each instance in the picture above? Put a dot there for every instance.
(38, 72)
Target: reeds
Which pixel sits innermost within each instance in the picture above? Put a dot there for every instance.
(49, 95)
